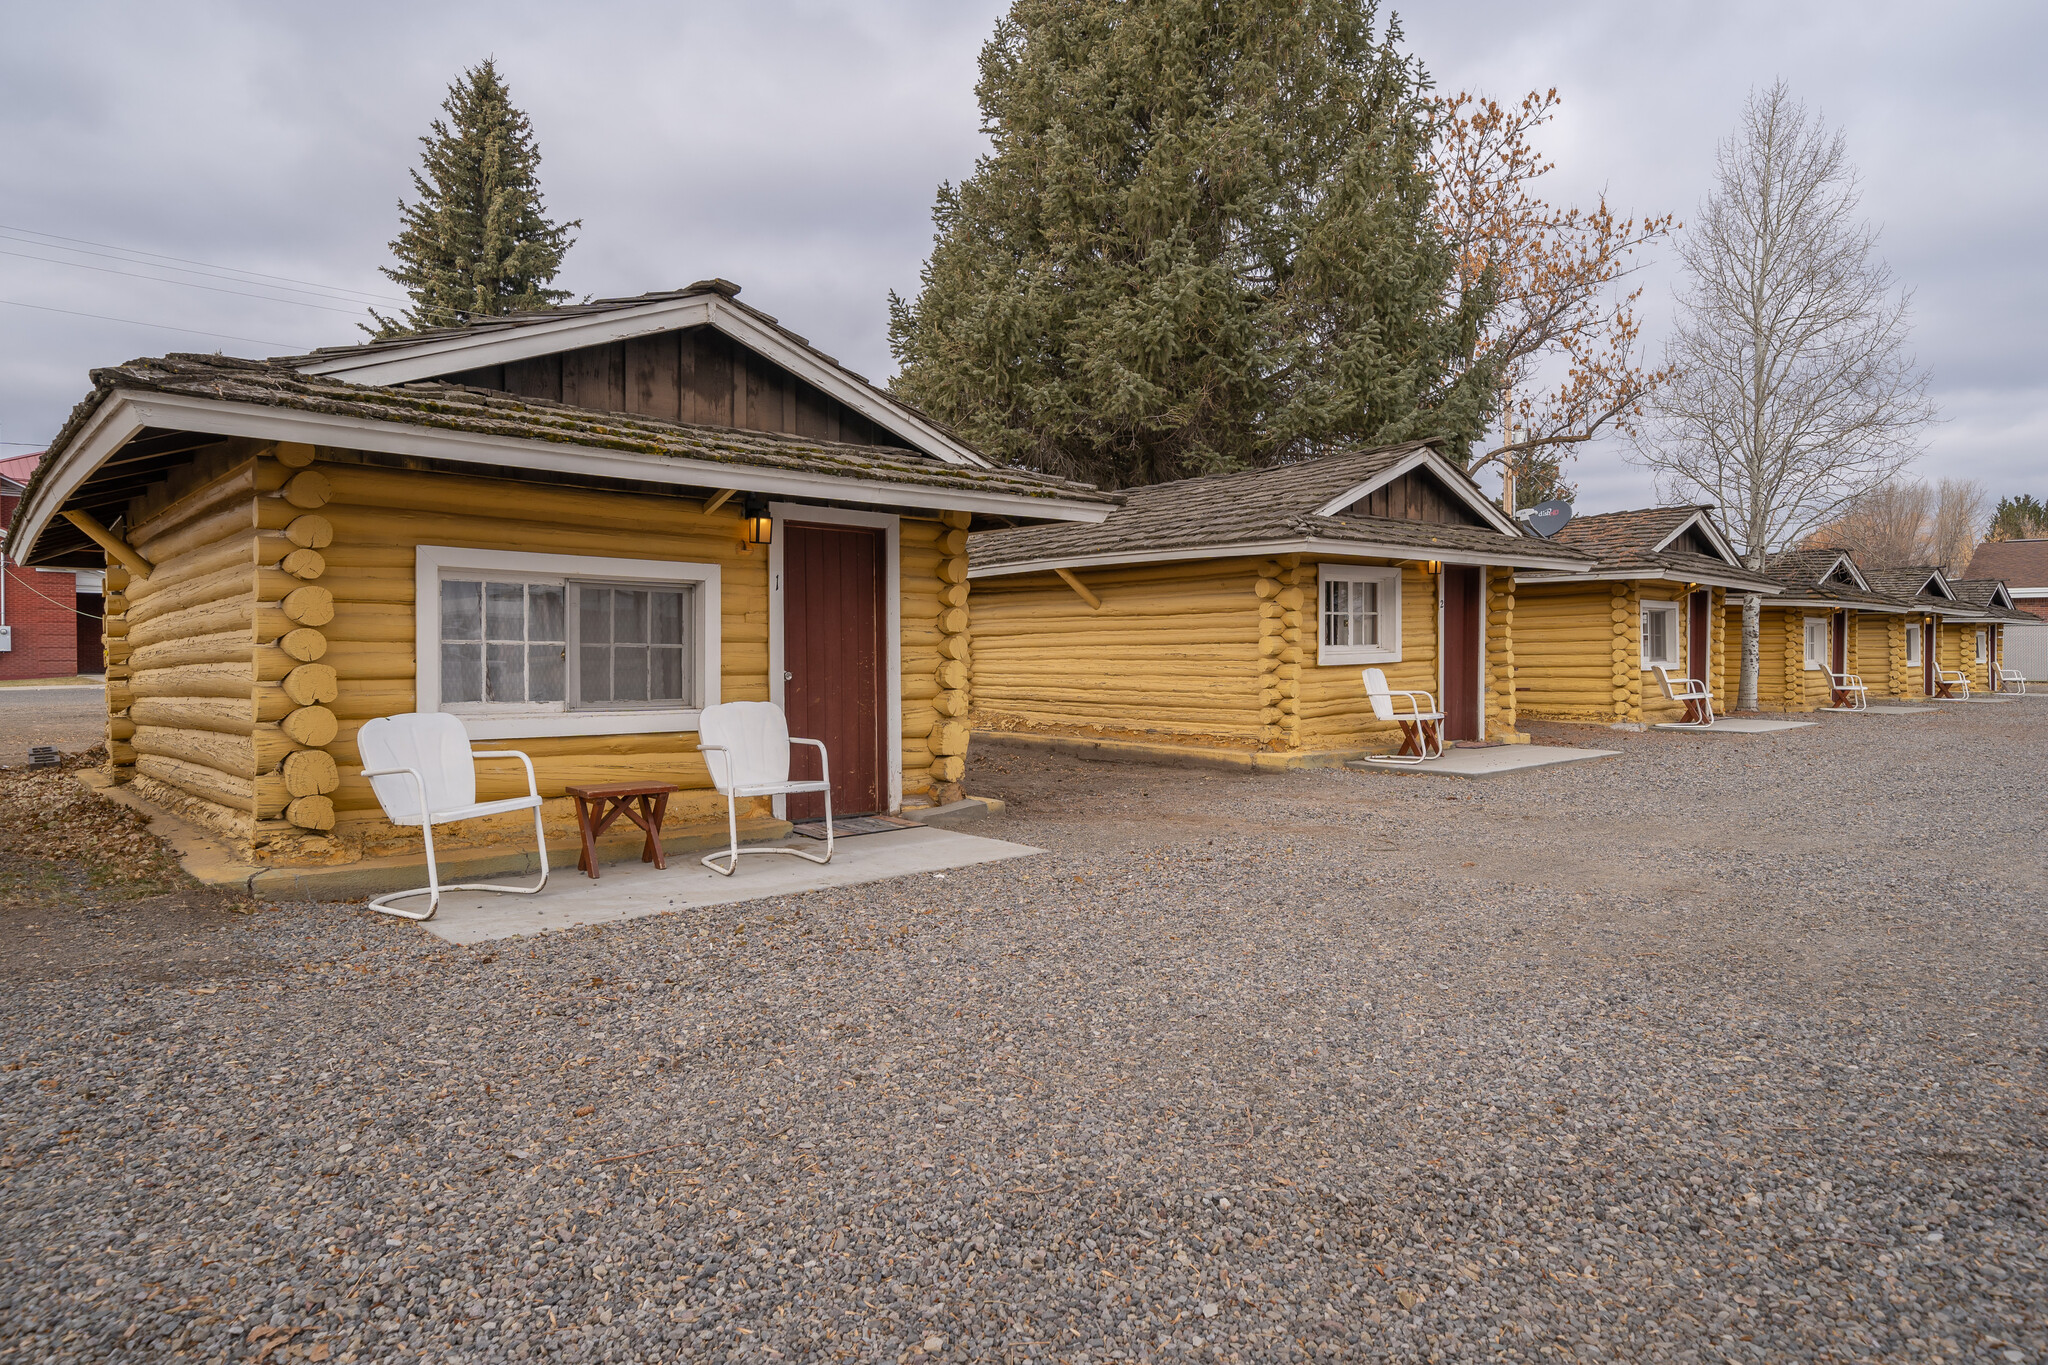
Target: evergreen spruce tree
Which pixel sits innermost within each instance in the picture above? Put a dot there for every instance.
(479, 242)
(1203, 240)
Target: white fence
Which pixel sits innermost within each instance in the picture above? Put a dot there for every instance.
(2026, 649)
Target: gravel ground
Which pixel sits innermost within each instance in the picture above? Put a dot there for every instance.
(70, 717)
(1726, 1050)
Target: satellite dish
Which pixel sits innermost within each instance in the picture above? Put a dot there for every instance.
(1546, 519)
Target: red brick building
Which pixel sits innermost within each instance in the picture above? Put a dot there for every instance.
(49, 618)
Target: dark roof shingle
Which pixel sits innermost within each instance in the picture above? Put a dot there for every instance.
(2020, 563)
(1624, 542)
(1253, 507)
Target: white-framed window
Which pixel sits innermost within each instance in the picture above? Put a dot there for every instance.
(1660, 634)
(1358, 614)
(1912, 642)
(1983, 644)
(535, 644)
(1817, 643)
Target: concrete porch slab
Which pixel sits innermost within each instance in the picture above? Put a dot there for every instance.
(1874, 709)
(1505, 758)
(635, 890)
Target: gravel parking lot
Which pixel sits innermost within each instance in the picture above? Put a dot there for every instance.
(1729, 1049)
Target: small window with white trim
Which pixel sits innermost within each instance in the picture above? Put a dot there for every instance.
(1817, 643)
(1983, 645)
(1660, 634)
(1359, 613)
(1912, 642)
(536, 644)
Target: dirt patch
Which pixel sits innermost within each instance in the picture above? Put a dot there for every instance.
(191, 935)
(86, 888)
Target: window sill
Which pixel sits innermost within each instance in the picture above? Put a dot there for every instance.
(1344, 657)
(570, 723)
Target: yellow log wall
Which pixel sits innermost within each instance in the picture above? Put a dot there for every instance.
(1176, 654)
(279, 619)
(1211, 654)
(1564, 651)
(1334, 712)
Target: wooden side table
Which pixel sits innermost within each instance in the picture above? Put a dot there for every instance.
(644, 803)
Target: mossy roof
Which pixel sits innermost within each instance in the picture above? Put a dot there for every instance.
(437, 406)
(1217, 514)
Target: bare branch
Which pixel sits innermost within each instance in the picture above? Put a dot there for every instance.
(1794, 392)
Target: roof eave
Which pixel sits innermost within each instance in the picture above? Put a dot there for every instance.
(1657, 575)
(1515, 559)
(124, 412)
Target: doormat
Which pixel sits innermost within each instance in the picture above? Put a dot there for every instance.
(847, 826)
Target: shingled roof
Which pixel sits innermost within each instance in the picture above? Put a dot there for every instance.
(1991, 597)
(1626, 545)
(446, 352)
(230, 397)
(1269, 511)
(1908, 584)
(1804, 575)
(2020, 563)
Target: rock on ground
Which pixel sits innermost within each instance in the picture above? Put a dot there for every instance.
(1725, 1050)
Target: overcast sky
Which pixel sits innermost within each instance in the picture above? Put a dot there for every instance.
(794, 147)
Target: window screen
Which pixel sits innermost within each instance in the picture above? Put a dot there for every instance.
(1660, 634)
(632, 645)
(502, 642)
(1912, 642)
(1351, 612)
(558, 644)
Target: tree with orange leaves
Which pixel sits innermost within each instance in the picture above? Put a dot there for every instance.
(1554, 272)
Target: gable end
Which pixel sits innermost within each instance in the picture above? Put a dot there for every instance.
(696, 375)
(1417, 495)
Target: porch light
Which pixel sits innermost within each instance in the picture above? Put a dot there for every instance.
(758, 525)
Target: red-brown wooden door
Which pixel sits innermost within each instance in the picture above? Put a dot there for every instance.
(1839, 646)
(1461, 652)
(832, 645)
(1928, 638)
(1699, 644)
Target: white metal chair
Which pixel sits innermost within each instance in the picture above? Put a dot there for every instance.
(1951, 684)
(2011, 680)
(1849, 692)
(421, 768)
(746, 746)
(1690, 693)
(1421, 726)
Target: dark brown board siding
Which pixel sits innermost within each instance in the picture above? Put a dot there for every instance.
(1415, 496)
(695, 374)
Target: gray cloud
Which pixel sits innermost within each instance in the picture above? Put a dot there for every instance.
(794, 147)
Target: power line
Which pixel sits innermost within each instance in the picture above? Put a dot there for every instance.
(183, 260)
(330, 295)
(182, 284)
(160, 326)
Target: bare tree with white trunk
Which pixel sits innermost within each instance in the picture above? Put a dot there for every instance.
(1795, 391)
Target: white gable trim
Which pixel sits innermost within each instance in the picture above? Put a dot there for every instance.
(469, 351)
(125, 413)
(1939, 582)
(1854, 572)
(1448, 474)
(1713, 534)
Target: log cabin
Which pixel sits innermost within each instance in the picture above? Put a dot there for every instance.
(1943, 628)
(574, 528)
(1993, 601)
(1831, 616)
(1231, 617)
(1587, 645)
